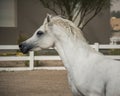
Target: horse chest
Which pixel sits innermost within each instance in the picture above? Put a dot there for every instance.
(84, 83)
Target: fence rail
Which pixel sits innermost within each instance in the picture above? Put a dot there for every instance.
(31, 57)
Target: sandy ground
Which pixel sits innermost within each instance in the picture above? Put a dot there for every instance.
(34, 83)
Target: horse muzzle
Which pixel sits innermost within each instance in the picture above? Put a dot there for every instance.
(25, 48)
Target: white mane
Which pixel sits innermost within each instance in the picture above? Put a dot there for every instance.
(69, 26)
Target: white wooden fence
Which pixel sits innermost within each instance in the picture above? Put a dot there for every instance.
(31, 57)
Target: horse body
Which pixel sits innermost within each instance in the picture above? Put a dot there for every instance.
(89, 72)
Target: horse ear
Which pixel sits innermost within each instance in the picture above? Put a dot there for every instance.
(48, 18)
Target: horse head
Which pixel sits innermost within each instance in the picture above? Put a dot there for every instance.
(53, 29)
(41, 39)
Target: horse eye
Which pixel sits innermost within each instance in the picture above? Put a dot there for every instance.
(39, 33)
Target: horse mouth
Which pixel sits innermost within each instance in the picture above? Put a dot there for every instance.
(24, 48)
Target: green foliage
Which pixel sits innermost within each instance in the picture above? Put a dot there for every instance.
(48, 52)
(36, 63)
(26, 63)
(8, 54)
(115, 52)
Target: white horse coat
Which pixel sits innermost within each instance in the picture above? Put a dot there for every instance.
(89, 72)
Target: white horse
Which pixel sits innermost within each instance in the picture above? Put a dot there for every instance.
(89, 72)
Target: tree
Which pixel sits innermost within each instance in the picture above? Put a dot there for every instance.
(76, 9)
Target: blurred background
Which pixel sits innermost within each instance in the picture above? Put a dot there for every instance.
(20, 18)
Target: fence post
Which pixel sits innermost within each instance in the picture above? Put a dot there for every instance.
(31, 61)
(96, 46)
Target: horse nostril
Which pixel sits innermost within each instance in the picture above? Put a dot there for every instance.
(24, 48)
(20, 45)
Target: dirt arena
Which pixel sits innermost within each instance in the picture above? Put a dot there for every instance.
(34, 83)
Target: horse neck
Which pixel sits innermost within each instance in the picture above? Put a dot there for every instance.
(72, 51)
